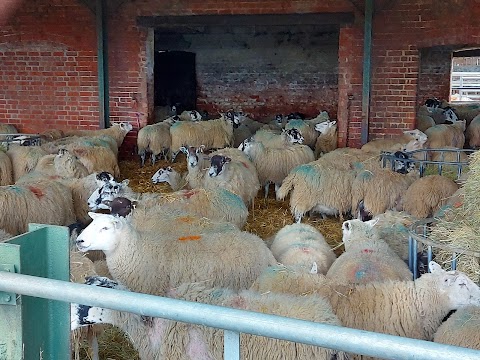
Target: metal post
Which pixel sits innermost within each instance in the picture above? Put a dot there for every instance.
(367, 56)
(102, 55)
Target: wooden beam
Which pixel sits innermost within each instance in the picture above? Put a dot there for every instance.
(245, 20)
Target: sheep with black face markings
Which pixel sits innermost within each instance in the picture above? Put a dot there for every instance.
(182, 252)
(193, 342)
(307, 130)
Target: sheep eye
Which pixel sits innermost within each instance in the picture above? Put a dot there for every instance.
(105, 228)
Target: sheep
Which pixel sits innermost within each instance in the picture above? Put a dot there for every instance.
(68, 165)
(472, 133)
(413, 309)
(24, 159)
(227, 256)
(307, 130)
(327, 138)
(415, 139)
(4, 236)
(241, 133)
(216, 203)
(367, 258)
(154, 139)
(379, 190)
(73, 142)
(273, 165)
(213, 134)
(461, 329)
(170, 176)
(424, 119)
(118, 131)
(427, 195)
(278, 140)
(197, 165)
(6, 169)
(443, 135)
(302, 244)
(8, 129)
(97, 159)
(318, 187)
(43, 201)
(51, 135)
(235, 173)
(463, 111)
(190, 115)
(192, 342)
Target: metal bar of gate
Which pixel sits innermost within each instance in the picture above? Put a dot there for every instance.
(329, 336)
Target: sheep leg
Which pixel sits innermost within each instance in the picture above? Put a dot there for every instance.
(298, 218)
(267, 185)
(174, 155)
(154, 157)
(142, 158)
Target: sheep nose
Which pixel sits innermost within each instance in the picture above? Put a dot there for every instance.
(78, 241)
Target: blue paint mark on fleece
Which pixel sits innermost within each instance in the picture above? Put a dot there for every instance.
(366, 175)
(295, 124)
(310, 172)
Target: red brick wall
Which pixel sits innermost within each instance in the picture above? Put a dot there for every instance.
(64, 30)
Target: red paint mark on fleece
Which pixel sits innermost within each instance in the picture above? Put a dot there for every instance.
(188, 238)
(244, 164)
(367, 251)
(189, 193)
(38, 193)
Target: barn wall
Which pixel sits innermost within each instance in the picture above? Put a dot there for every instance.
(264, 73)
(66, 29)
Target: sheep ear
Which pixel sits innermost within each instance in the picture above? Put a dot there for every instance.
(434, 268)
(184, 150)
(333, 123)
(201, 148)
(372, 222)
(125, 182)
(227, 159)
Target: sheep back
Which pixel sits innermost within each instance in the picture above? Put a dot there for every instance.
(97, 159)
(24, 159)
(461, 329)
(6, 169)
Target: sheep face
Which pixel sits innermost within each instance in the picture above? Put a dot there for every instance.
(432, 103)
(217, 163)
(125, 126)
(460, 290)
(104, 193)
(417, 135)
(294, 136)
(192, 154)
(162, 175)
(323, 127)
(450, 114)
(101, 233)
(358, 228)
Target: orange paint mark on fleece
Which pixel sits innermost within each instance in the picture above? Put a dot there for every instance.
(457, 204)
(244, 164)
(185, 219)
(191, 237)
(38, 193)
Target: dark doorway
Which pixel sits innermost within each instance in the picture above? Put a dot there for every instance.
(175, 79)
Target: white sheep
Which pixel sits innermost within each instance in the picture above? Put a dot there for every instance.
(461, 329)
(367, 257)
(6, 169)
(154, 139)
(318, 187)
(118, 131)
(277, 139)
(302, 244)
(24, 159)
(192, 342)
(327, 138)
(68, 165)
(413, 309)
(307, 130)
(216, 203)
(197, 165)
(72, 142)
(227, 256)
(232, 170)
(43, 201)
(442, 135)
(376, 191)
(411, 139)
(213, 134)
(427, 195)
(274, 164)
(97, 159)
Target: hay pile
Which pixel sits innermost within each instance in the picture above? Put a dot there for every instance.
(460, 227)
(266, 217)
